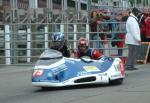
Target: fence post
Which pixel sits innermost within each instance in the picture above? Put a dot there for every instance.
(46, 36)
(87, 31)
(74, 35)
(62, 28)
(7, 45)
(28, 45)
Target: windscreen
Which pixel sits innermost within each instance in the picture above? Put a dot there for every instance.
(49, 56)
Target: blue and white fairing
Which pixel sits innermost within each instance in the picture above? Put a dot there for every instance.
(54, 70)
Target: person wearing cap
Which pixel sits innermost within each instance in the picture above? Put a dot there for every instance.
(132, 39)
(84, 50)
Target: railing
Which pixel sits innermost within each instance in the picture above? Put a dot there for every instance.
(24, 47)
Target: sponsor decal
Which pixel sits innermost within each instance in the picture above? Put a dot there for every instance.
(116, 75)
(117, 67)
(83, 73)
(91, 69)
(102, 74)
(117, 60)
(59, 69)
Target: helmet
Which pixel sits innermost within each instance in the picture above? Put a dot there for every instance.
(58, 40)
(58, 36)
(83, 42)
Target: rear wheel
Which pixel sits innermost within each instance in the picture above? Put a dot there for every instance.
(45, 88)
(116, 82)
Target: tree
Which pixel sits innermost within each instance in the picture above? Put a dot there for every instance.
(143, 2)
(131, 2)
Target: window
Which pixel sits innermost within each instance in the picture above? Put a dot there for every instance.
(71, 3)
(83, 6)
(95, 1)
(57, 1)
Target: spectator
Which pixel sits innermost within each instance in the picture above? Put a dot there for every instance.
(125, 14)
(147, 29)
(97, 17)
(119, 36)
(133, 39)
(84, 50)
(142, 22)
(60, 44)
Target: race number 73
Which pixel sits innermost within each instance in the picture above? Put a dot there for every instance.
(38, 72)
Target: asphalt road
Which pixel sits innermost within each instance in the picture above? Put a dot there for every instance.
(15, 87)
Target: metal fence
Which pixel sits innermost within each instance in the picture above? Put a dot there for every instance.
(26, 33)
(26, 45)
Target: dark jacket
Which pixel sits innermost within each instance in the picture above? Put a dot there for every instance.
(64, 50)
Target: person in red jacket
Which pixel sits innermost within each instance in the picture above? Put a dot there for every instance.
(147, 29)
(142, 18)
(84, 50)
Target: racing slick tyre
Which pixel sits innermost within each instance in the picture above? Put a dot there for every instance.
(116, 82)
(45, 88)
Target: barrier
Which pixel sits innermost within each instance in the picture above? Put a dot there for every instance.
(25, 46)
(35, 41)
(142, 52)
